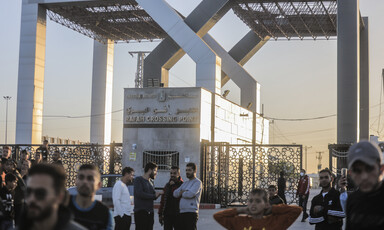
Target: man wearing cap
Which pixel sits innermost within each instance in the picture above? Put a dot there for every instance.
(364, 207)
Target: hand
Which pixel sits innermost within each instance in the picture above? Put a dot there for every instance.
(243, 210)
(342, 183)
(159, 193)
(161, 221)
(171, 182)
(303, 197)
(317, 209)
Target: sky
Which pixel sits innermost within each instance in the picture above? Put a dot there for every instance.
(298, 78)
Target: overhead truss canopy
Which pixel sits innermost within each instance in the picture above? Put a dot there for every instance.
(117, 20)
(289, 18)
(125, 20)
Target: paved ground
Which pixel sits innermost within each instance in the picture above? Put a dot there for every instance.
(206, 220)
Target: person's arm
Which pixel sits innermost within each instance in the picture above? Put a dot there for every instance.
(192, 192)
(336, 209)
(116, 198)
(286, 214)
(177, 193)
(315, 214)
(140, 193)
(342, 183)
(226, 218)
(307, 185)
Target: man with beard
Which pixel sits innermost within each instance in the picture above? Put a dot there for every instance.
(23, 157)
(169, 205)
(45, 193)
(326, 211)
(145, 194)
(122, 200)
(258, 214)
(89, 212)
(190, 193)
(7, 195)
(56, 158)
(7, 153)
(364, 207)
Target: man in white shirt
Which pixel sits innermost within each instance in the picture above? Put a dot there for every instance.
(122, 200)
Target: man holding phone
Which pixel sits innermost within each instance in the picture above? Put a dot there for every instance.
(364, 207)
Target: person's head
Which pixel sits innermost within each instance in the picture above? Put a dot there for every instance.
(151, 170)
(190, 171)
(325, 178)
(45, 191)
(38, 155)
(56, 155)
(272, 190)
(24, 155)
(9, 165)
(258, 201)
(88, 180)
(6, 152)
(175, 173)
(25, 165)
(10, 181)
(365, 167)
(45, 143)
(128, 174)
(302, 172)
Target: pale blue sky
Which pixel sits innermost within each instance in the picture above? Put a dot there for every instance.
(298, 78)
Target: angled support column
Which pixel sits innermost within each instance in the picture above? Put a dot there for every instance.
(102, 81)
(364, 81)
(244, 50)
(348, 71)
(30, 89)
(208, 64)
(158, 63)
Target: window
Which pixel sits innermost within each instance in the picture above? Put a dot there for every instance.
(164, 159)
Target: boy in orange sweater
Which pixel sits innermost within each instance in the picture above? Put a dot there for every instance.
(259, 214)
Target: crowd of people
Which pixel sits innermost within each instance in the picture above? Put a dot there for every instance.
(33, 196)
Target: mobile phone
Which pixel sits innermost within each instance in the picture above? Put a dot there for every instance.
(344, 172)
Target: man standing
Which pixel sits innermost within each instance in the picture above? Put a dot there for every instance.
(326, 211)
(7, 195)
(56, 158)
(365, 206)
(190, 193)
(7, 153)
(273, 197)
(45, 193)
(303, 193)
(169, 205)
(23, 157)
(44, 151)
(89, 212)
(281, 187)
(122, 200)
(144, 196)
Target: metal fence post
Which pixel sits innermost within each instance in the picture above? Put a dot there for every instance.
(112, 158)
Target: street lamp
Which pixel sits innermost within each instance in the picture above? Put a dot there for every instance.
(7, 98)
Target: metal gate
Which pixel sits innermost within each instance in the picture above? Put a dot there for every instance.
(106, 157)
(230, 172)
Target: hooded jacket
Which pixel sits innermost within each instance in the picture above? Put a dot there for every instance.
(169, 205)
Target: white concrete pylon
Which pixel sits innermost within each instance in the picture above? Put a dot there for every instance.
(30, 89)
(102, 82)
(208, 64)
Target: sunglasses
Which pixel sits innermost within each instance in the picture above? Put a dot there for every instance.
(40, 193)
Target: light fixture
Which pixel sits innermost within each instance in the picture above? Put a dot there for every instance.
(226, 92)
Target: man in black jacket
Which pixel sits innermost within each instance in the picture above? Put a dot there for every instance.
(273, 197)
(326, 211)
(169, 205)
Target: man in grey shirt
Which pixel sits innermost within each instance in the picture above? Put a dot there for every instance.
(190, 193)
(144, 195)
